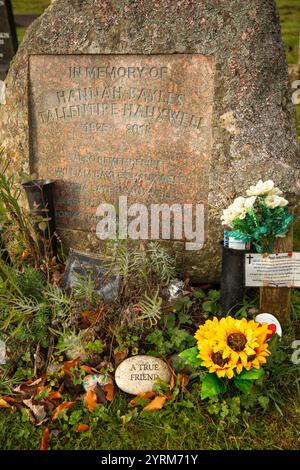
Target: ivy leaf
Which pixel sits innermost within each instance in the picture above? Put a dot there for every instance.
(191, 356)
(252, 374)
(212, 386)
(243, 385)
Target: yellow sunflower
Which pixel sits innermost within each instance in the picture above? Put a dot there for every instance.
(256, 360)
(229, 344)
(239, 340)
(207, 331)
(215, 362)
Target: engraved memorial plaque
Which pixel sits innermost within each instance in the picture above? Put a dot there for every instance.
(105, 126)
(8, 38)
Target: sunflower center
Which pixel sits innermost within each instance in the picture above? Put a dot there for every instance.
(217, 358)
(236, 341)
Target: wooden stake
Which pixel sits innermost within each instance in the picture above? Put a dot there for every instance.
(277, 300)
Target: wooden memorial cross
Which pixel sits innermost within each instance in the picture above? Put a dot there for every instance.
(278, 300)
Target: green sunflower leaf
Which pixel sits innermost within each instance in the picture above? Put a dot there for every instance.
(243, 385)
(252, 374)
(212, 386)
(191, 356)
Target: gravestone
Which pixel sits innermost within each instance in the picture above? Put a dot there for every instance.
(172, 101)
(8, 37)
(131, 126)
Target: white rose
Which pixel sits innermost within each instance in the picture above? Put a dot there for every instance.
(275, 192)
(231, 214)
(261, 188)
(249, 202)
(237, 210)
(273, 201)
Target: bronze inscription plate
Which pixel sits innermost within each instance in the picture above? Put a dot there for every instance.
(105, 126)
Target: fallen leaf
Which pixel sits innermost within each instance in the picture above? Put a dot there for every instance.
(90, 317)
(29, 387)
(109, 391)
(133, 402)
(172, 380)
(184, 380)
(82, 427)
(56, 278)
(4, 404)
(120, 356)
(101, 398)
(40, 388)
(9, 399)
(69, 364)
(37, 408)
(88, 369)
(90, 399)
(25, 254)
(54, 395)
(156, 404)
(45, 439)
(63, 406)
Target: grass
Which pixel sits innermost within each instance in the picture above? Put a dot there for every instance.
(289, 11)
(182, 426)
(32, 6)
(23, 7)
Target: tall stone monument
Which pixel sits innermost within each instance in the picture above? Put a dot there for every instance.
(170, 101)
(8, 37)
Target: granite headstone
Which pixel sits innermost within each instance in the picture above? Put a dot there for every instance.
(170, 101)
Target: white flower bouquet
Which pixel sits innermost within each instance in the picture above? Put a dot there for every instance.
(259, 217)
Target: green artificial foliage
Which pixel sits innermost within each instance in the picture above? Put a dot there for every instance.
(262, 226)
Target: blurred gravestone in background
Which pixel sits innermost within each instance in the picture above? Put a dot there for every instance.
(8, 37)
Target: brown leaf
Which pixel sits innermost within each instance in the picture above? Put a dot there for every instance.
(29, 387)
(120, 356)
(101, 398)
(90, 399)
(88, 369)
(9, 399)
(4, 404)
(69, 364)
(56, 278)
(38, 414)
(25, 254)
(54, 395)
(156, 404)
(109, 391)
(184, 380)
(82, 427)
(89, 317)
(45, 439)
(145, 395)
(63, 406)
(172, 380)
(40, 388)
